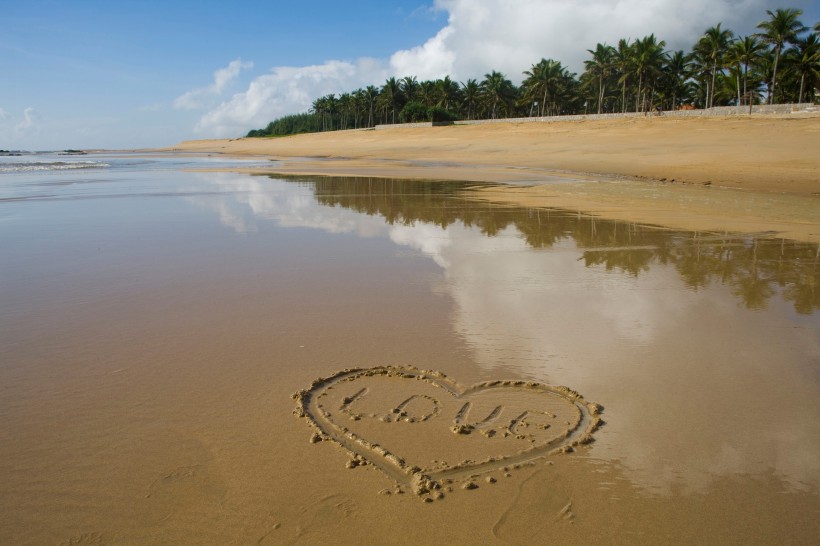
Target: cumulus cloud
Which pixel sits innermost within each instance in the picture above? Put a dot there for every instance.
(480, 36)
(4, 115)
(429, 61)
(287, 90)
(199, 98)
(510, 36)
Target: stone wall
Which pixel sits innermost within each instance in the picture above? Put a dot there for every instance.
(763, 109)
(419, 124)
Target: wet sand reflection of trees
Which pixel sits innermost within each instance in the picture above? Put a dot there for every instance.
(756, 268)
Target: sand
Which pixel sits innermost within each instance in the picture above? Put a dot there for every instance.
(154, 327)
(758, 174)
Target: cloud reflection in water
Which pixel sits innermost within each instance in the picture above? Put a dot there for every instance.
(689, 341)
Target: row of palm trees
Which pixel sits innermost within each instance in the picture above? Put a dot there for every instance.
(780, 63)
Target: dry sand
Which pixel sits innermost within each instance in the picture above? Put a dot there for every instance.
(748, 174)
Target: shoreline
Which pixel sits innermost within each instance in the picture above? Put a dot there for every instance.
(756, 175)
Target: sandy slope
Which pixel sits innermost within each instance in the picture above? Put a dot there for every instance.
(760, 155)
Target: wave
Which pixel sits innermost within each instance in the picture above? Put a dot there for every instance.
(29, 166)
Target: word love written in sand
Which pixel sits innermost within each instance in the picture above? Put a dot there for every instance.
(422, 428)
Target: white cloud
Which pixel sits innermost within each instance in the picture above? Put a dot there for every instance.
(199, 98)
(481, 36)
(17, 131)
(287, 90)
(429, 61)
(29, 123)
(510, 36)
(251, 198)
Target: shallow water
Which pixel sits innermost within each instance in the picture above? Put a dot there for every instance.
(154, 323)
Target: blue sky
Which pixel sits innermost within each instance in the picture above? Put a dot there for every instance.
(124, 74)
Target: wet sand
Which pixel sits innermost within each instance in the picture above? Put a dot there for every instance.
(651, 170)
(154, 329)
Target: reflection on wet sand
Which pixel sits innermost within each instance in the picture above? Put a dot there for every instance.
(755, 267)
(153, 330)
(703, 345)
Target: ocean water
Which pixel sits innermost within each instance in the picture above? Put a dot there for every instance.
(155, 320)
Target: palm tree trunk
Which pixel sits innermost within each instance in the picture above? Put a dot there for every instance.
(623, 98)
(600, 91)
(706, 100)
(738, 86)
(774, 74)
(544, 101)
(712, 90)
(802, 81)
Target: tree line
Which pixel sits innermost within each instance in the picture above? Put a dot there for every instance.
(778, 64)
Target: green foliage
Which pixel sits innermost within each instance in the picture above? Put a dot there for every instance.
(414, 112)
(440, 114)
(288, 125)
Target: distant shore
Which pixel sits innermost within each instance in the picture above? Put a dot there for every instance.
(750, 174)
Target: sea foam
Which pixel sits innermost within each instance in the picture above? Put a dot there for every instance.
(29, 166)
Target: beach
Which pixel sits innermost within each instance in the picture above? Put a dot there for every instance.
(655, 170)
(198, 349)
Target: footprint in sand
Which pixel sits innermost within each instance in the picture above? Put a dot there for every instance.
(322, 519)
(183, 488)
(543, 501)
(85, 539)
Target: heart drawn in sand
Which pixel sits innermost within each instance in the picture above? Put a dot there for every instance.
(420, 427)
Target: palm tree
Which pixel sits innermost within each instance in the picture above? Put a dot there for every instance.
(536, 84)
(409, 87)
(470, 96)
(496, 91)
(622, 62)
(804, 60)
(600, 66)
(324, 108)
(745, 52)
(677, 70)
(346, 106)
(370, 95)
(765, 68)
(427, 93)
(550, 83)
(646, 62)
(332, 107)
(318, 109)
(391, 93)
(447, 91)
(782, 27)
(714, 44)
